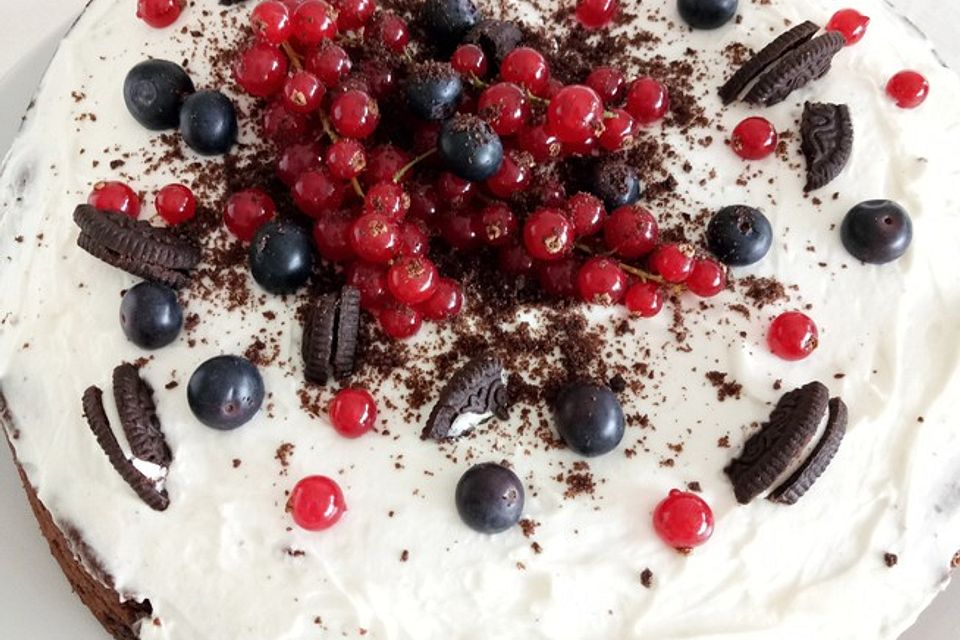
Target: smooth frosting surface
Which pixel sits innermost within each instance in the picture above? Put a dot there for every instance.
(226, 562)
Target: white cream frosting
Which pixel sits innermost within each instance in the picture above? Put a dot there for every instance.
(216, 566)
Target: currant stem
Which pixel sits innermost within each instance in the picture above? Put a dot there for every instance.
(398, 176)
(328, 129)
(635, 271)
(293, 55)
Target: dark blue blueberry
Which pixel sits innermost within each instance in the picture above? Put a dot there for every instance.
(154, 91)
(433, 91)
(469, 148)
(208, 123)
(150, 315)
(707, 14)
(589, 418)
(877, 231)
(225, 392)
(281, 257)
(490, 498)
(448, 21)
(739, 235)
(616, 183)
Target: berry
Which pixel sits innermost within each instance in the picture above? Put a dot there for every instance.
(391, 30)
(330, 63)
(400, 321)
(589, 418)
(586, 213)
(314, 21)
(608, 83)
(297, 159)
(353, 14)
(540, 142)
(559, 277)
(159, 13)
(513, 177)
(739, 235)
(225, 392)
(601, 281)
(354, 114)
(631, 232)
(380, 76)
(548, 234)
(315, 193)
(271, 22)
(116, 197)
(423, 203)
(150, 315)
(707, 14)
(683, 520)
(619, 131)
(455, 192)
(470, 148)
(528, 68)
(445, 303)
(208, 122)
(754, 139)
(303, 92)
(247, 211)
(470, 60)
(433, 91)
(375, 238)
(504, 105)
(586, 147)
(514, 260)
(616, 183)
(596, 14)
(383, 163)
(371, 280)
(281, 257)
(282, 126)
(353, 412)
(489, 498)
(645, 299)
(877, 231)
(412, 279)
(459, 230)
(331, 234)
(674, 262)
(154, 91)
(388, 199)
(850, 23)
(316, 503)
(908, 89)
(346, 159)
(414, 241)
(448, 21)
(261, 70)
(793, 336)
(176, 204)
(575, 114)
(707, 279)
(496, 224)
(648, 100)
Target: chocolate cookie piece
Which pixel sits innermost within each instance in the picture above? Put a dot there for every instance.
(771, 451)
(330, 336)
(144, 487)
(784, 44)
(477, 388)
(138, 416)
(826, 131)
(497, 38)
(137, 247)
(813, 467)
(344, 358)
(798, 68)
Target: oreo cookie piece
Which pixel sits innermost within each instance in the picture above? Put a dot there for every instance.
(771, 451)
(798, 68)
(770, 54)
(156, 498)
(497, 38)
(330, 336)
(826, 132)
(137, 247)
(813, 467)
(476, 389)
(138, 416)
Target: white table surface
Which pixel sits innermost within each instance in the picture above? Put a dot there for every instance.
(35, 600)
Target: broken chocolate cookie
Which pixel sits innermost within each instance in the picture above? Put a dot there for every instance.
(476, 390)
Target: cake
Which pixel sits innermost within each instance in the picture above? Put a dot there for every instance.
(817, 369)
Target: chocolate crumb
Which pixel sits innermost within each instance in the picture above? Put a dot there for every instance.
(646, 578)
(890, 559)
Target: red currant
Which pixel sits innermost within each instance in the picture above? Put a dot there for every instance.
(586, 212)
(631, 232)
(446, 301)
(470, 60)
(159, 13)
(648, 100)
(596, 14)
(330, 63)
(586, 147)
(513, 176)
(331, 233)
(496, 224)
(297, 159)
(559, 277)
(116, 197)
(793, 336)
(391, 30)
(540, 142)
(754, 139)
(261, 70)
(601, 281)
(514, 260)
(504, 105)
(271, 22)
(551, 193)
(414, 240)
(423, 203)
(674, 262)
(313, 22)
(353, 14)
(459, 230)
(400, 321)
(355, 114)
(247, 211)
(353, 412)
(375, 238)
(412, 279)
(176, 204)
(454, 190)
(283, 126)
(683, 520)
(908, 89)
(371, 280)
(548, 234)
(619, 131)
(645, 299)
(388, 199)
(526, 67)
(346, 159)
(316, 503)
(608, 83)
(383, 163)
(707, 279)
(851, 24)
(575, 114)
(303, 92)
(315, 193)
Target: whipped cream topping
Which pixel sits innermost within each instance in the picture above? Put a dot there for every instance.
(226, 562)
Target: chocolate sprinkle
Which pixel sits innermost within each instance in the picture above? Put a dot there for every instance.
(138, 415)
(798, 68)
(803, 478)
(476, 388)
(827, 142)
(787, 42)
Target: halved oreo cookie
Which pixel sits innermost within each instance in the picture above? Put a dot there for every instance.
(795, 70)
(137, 247)
(138, 416)
(784, 44)
(330, 336)
(826, 132)
(476, 389)
(814, 466)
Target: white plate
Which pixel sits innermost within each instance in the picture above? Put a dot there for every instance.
(35, 599)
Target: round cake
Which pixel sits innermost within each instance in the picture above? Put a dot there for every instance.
(507, 320)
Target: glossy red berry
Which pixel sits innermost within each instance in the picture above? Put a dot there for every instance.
(412, 279)
(176, 204)
(316, 503)
(674, 262)
(283, 126)
(414, 241)
(793, 336)
(683, 520)
(644, 299)
(371, 280)
(586, 212)
(514, 260)
(513, 176)
(383, 163)
(445, 303)
(648, 100)
(504, 105)
(329, 62)
(354, 114)
(313, 22)
(707, 279)
(596, 14)
(558, 278)
(754, 139)
(353, 412)
(331, 234)
(303, 92)
(458, 229)
(159, 13)
(400, 321)
(423, 203)
(551, 193)
(619, 131)
(247, 211)
(271, 22)
(908, 89)
(526, 67)
(575, 114)
(470, 60)
(375, 238)
(608, 83)
(496, 224)
(381, 78)
(601, 281)
(850, 23)
(388, 199)
(297, 159)
(316, 193)
(631, 232)
(586, 147)
(548, 234)
(540, 142)
(116, 197)
(345, 159)
(261, 70)
(353, 14)
(392, 31)
(454, 190)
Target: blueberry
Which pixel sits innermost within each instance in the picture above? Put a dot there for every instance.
(208, 123)
(154, 91)
(448, 21)
(281, 257)
(150, 315)
(225, 392)
(433, 90)
(877, 231)
(616, 183)
(739, 235)
(707, 14)
(589, 418)
(489, 498)
(470, 148)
